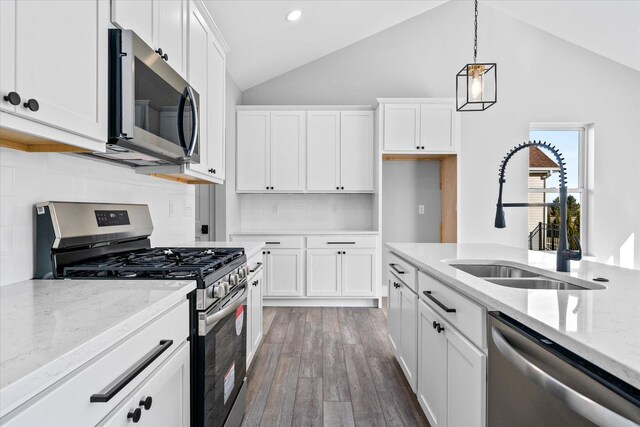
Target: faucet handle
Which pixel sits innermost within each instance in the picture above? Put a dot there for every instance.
(576, 255)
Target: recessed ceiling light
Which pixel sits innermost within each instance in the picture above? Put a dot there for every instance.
(294, 15)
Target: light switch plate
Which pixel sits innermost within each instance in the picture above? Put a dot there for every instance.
(421, 209)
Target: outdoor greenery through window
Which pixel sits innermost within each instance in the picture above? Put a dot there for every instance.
(544, 182)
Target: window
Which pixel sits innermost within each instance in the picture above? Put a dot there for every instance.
(544, 182)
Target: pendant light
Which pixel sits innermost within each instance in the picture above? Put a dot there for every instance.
(476, 84)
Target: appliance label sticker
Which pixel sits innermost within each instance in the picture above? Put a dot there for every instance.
(239, 319)
(229, 382)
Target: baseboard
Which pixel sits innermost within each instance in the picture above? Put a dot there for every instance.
(320, 302)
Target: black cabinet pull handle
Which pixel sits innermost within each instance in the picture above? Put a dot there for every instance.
(165, 57)
(271, 243)
(439, 328)
(12, 98)
(417, 147)
(267, 188)
(396, 269)
(268, 252)
(32, 105)
(422, 147)
(341, 243)
(131, 373)
(146, 403)
(257, 266)
(435, 324)
(134, 415)
(272, 188)
(342, 188)
(396, 285)
(438, 303)
(337, 188)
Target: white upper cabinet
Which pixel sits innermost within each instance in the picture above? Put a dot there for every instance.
(162, 24)
(356, 151)
(419, 126)
(253, 151)
(323, 150)
(287, 150)
(271, 148)
(216, 80)
(53, 56)
(401, 127)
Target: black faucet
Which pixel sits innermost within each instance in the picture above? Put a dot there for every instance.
(564, 254)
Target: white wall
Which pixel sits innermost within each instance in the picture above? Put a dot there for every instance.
(227, 206)
(541, 78)
(29, 178)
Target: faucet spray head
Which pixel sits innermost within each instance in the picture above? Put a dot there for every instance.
(500, 222)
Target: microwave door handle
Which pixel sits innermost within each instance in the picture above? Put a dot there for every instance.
(180, 123)
(194, 121)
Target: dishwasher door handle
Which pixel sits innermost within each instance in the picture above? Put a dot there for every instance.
(579, 403)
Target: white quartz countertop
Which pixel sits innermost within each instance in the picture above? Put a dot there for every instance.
(250, 248)
(49, 328)
(602, 326)
(304, 233)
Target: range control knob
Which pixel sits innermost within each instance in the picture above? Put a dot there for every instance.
(242, 273)
(233, 280)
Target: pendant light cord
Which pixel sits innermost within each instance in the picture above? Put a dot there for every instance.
(475, 35)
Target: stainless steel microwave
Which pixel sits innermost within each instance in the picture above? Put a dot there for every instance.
(153, 111)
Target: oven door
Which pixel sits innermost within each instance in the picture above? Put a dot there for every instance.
(153, 110)
(221, 361)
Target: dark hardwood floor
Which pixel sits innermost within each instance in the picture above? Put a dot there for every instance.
(328, 366)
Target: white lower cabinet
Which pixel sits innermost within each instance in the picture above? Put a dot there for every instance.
(283, 269)
(340, 272)
(403, 327)
(451, 373)
(393, 314)
(254, 314)
(162, 400)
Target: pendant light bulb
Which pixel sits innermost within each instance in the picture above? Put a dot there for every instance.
(476, 86)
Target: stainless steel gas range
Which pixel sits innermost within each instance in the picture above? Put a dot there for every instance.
(111, 241)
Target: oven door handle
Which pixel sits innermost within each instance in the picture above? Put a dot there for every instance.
(579, 403)
(217, 316)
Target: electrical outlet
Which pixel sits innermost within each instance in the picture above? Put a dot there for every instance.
(276, 207)
(334, 208)
(188, 209)
(421, 209)
(172, 208)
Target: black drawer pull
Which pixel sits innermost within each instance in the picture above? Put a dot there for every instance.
(341, 243)
(256, 267)
(438, 303)
(131, 373)
(271, 243)
(396, 269)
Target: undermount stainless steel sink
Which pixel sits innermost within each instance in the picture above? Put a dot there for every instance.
(500, 273)
(493, 270)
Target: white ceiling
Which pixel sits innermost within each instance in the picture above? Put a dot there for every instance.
(264, 45)
(610, 28)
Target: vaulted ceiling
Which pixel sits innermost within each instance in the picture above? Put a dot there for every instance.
(265, 45)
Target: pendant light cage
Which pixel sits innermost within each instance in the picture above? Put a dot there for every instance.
(476, 83)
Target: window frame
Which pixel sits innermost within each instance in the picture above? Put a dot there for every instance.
(584, 143)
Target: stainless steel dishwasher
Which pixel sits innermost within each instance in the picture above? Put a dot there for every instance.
(535, 382)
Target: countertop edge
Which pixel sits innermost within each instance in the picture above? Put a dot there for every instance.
(22, 390)
(615, 367)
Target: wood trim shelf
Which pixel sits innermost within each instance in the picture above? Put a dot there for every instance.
(415, 157)
(181, 178)
(34, 144)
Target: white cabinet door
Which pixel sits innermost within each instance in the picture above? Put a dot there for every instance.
(356, 150)
(358, 267)
(408, 334)
(136, 15)
(284, 272)
(253, 151)
(216, 108)
(401, 127)
(436, 128)
(254, 315)
(172, 32)
(465, 387)
(323, 272)
(58, 52)
(323, 151)
(197, 75)
(168, 388)
(287, 150)
(432, 370)
(393, 314)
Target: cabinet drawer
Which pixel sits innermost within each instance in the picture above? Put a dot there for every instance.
(68, 403)
(468, 317)
(341, 241)
(271, 241)
(404, 271)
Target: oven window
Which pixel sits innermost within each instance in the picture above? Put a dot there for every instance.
(157, 103)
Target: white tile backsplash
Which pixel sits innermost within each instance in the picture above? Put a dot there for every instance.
(300, 212)
(30, 178)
